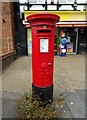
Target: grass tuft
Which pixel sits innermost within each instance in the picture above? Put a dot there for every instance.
(28, 108)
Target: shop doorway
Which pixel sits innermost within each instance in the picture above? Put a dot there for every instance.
(82, 40)
(72, 36)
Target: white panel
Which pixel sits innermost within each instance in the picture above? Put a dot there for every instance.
(37, 1)
(81, 1)
(66, 1)
(66, 7)
(22, 1)
(40, 1)
(33, 1)
(62, 1)
(43, 45)
(69, 1)
(36, 7)
(80, 7)
(51, 7)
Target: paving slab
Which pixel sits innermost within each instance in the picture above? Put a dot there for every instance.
(9, 109)
(66, 113)
(63, 110)
(11, 95)
(10, 104)
(82, 94)
(75, 105)
(0, 109)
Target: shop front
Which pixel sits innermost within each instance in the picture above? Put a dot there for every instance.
(77, 39)
(73, 22)
(72, 37)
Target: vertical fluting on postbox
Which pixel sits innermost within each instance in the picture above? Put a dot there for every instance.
(43, 28)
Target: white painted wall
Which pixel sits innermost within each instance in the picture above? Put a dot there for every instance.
(52, 7)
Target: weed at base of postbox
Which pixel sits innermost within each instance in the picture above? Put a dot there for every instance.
(44, 95)
(28, 109)
(38, 97)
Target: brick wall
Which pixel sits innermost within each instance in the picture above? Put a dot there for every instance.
(8, 31)
(0, 28)
(7, 28)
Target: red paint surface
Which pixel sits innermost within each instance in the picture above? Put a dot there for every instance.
(42, 63)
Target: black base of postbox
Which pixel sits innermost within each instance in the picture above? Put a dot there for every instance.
(45, 95)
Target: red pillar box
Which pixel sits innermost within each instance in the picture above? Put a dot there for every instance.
(43, 27)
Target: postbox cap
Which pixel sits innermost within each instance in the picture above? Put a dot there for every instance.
(43, 15)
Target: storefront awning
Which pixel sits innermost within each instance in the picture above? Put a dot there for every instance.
(64, 24)
(72, 24)
(67, 18)
(64, 15)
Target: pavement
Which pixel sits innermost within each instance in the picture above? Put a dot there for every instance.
(69, 80)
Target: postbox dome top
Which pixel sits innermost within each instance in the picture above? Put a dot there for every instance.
(43, 15)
